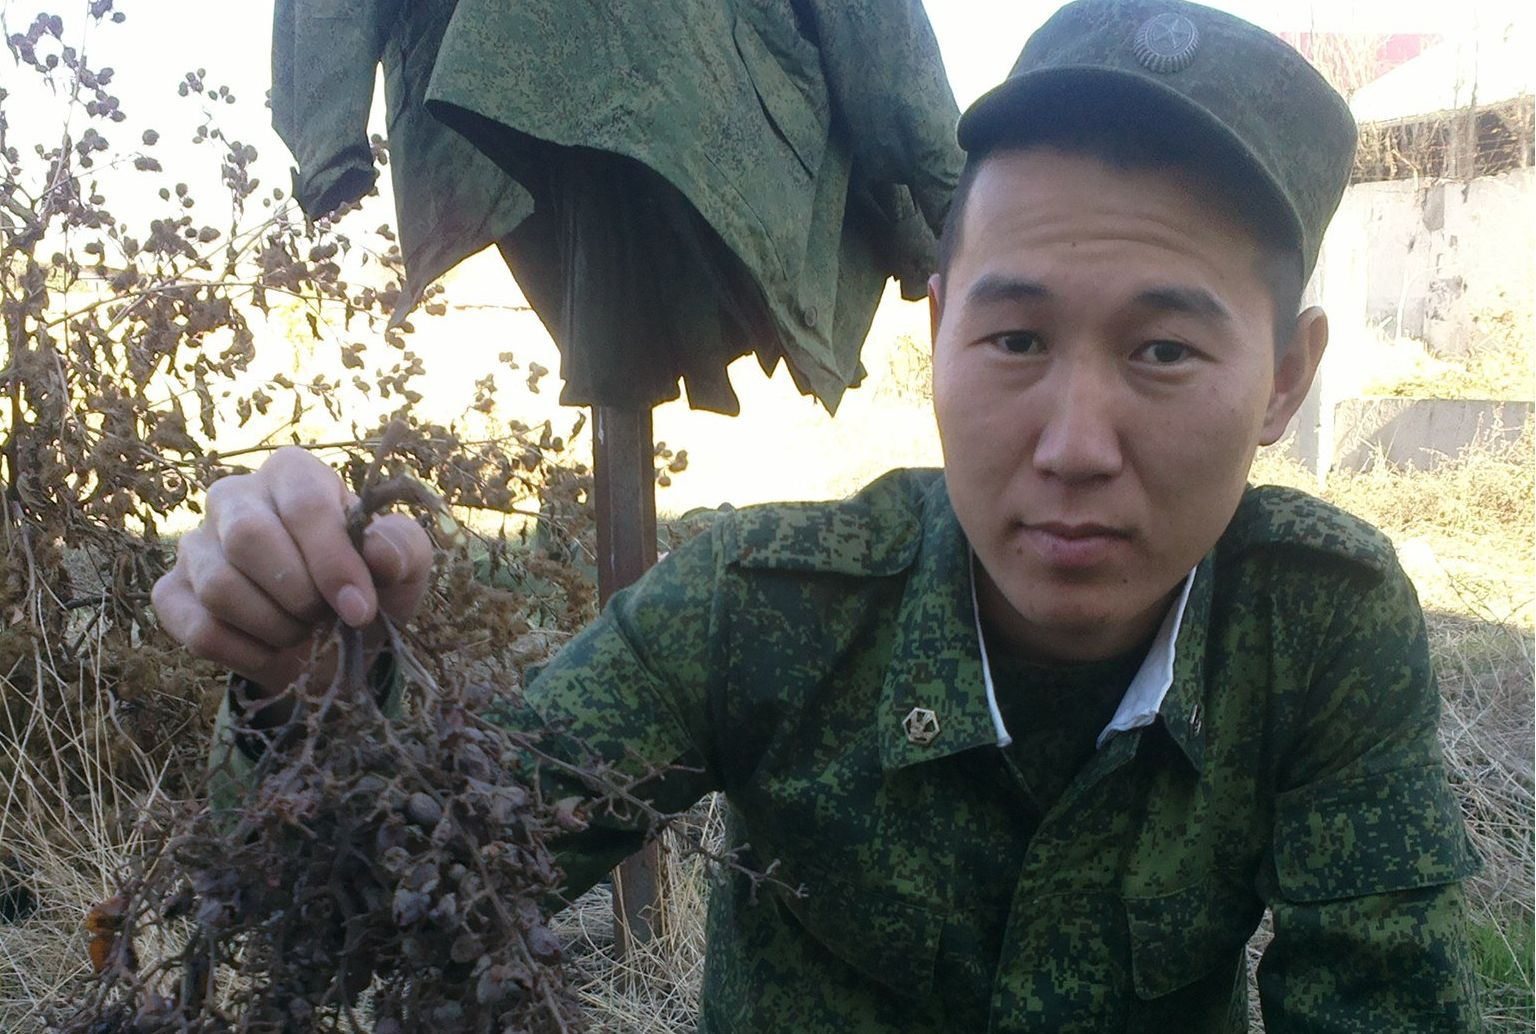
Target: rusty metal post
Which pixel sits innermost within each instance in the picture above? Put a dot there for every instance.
(624, 495)
(604, 285)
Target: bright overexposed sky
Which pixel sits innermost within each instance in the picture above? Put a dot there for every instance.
(980, 38)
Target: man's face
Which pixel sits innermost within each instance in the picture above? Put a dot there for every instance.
(1104, 370)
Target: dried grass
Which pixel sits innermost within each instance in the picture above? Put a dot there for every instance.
(62, 827)
(1483, 496)
(655, 990)
(1484, 667)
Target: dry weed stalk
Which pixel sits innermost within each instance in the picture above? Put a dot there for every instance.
(127, 336)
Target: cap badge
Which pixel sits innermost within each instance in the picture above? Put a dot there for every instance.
(921, 725)
(1167, 42)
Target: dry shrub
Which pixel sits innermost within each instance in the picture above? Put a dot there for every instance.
(1484, 496)
(128, 337)
(103, 722)
(408, 856)
(1499, 365)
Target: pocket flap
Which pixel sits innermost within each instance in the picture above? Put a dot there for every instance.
(889, 941)
(1397, 830)
(1180, 937)
(785, 102)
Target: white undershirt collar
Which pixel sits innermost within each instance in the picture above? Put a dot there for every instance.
(1143, 697)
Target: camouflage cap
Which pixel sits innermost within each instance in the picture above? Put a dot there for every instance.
(1196, 71)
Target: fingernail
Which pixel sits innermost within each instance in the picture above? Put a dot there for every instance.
(352, 605)
(395, 561)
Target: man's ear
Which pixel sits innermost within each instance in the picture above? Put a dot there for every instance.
(935, 306)
(1294, 372)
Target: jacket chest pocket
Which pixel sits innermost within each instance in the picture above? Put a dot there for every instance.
(889, 940)
(1187, 956)
(790, 86)
(876, 908)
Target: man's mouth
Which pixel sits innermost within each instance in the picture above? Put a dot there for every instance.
(1077, 531)
(1073, 546)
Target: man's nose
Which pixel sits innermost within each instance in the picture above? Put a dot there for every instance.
(1082, 419)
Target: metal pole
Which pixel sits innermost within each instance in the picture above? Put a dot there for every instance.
(624, 496)
(601, 286)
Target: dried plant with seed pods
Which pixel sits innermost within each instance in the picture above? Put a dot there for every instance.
(134, 299)
(377, 871)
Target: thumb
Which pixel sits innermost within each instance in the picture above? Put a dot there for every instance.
(398, 553)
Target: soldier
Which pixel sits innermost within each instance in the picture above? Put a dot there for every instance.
(1041, 734)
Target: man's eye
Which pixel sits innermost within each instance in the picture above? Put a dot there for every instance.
(1164, 353)
(1020, 342)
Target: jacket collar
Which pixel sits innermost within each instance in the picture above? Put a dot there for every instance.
(938, 663)
(936, 658)
(1170, 682)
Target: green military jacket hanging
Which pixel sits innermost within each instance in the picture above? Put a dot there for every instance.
(450, 199)
(1293, 764)
(814, 138)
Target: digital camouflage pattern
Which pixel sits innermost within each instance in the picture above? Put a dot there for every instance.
(1295, 764)
(450, 199)
(813, 140)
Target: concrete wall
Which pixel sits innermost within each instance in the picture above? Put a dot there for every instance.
(1354, 433)
(1419, 433)
(1339, 285)
(1438, 254)
(1416, 261)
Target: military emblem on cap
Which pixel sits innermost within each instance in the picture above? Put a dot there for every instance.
(1167, 42)
(921, 725)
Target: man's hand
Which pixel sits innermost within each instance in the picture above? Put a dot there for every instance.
(272, 563)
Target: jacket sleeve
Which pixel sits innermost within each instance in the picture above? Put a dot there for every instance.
(1369, 849)
(631, 690)
(887, 83)
(324, 57)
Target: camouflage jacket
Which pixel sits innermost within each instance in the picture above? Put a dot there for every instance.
(1294, 764)
(815, 139)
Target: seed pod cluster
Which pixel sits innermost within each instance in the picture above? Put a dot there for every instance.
(383, 872)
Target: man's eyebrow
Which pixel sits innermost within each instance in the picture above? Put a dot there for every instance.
(1188, 301)
(996, 287)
